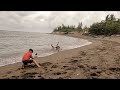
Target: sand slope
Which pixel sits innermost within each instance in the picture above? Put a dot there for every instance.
(100, 60)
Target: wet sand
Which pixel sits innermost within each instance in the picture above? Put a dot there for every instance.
(99, 60)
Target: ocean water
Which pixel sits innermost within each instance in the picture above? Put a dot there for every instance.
(14, 44)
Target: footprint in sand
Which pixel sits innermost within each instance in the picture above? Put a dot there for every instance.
(28, 67)
(60, 78)
(92, 78)
(59, 73)
(18, 69)
(71, 68)
(14, 77)
(83, 53)
(31, 66)
(81, 66)
(46, 64)
(64, 67)
(114, 69)
(67, 77)
(29, 75)
(9, 72)
(73, 61)
(38, 77)
(94, 74)
(23, 71)
(93, 67)
(54, 66)
(98, 72)
(5, 76)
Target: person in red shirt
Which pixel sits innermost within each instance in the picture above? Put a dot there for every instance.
(27, 58)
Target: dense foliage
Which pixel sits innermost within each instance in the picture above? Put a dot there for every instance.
(109, 26)
(69, 28)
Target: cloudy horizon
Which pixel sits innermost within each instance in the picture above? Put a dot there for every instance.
(46, 21)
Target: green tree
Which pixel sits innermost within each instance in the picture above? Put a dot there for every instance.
(79, 28)
(107, 18)
(85, 29)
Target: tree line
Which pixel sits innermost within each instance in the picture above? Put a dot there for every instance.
(109, 26)
(70, 28)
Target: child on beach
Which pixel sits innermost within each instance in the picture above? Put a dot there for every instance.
(27, 58)
(57, 47)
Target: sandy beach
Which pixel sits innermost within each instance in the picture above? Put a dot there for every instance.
(99, 60)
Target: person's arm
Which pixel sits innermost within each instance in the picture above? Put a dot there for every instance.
(52, 46)
(31, 56)
(57, 44)
(36, 63)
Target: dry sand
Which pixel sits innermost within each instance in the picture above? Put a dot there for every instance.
(99, 60)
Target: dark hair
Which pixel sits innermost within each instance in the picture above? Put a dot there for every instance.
(31, 50)
(36, 54)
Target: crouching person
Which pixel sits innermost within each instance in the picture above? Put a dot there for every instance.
(27, 58)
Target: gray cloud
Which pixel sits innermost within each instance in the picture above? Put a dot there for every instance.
(46, 21)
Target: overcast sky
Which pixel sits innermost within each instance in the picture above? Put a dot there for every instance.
(46, 21)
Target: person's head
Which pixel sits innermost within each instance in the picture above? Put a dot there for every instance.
(36, 54)
(51, 45)
(31, 50)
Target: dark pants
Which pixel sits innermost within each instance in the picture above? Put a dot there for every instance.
(25, 62)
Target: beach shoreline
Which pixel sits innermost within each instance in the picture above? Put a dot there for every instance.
(96, 60)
